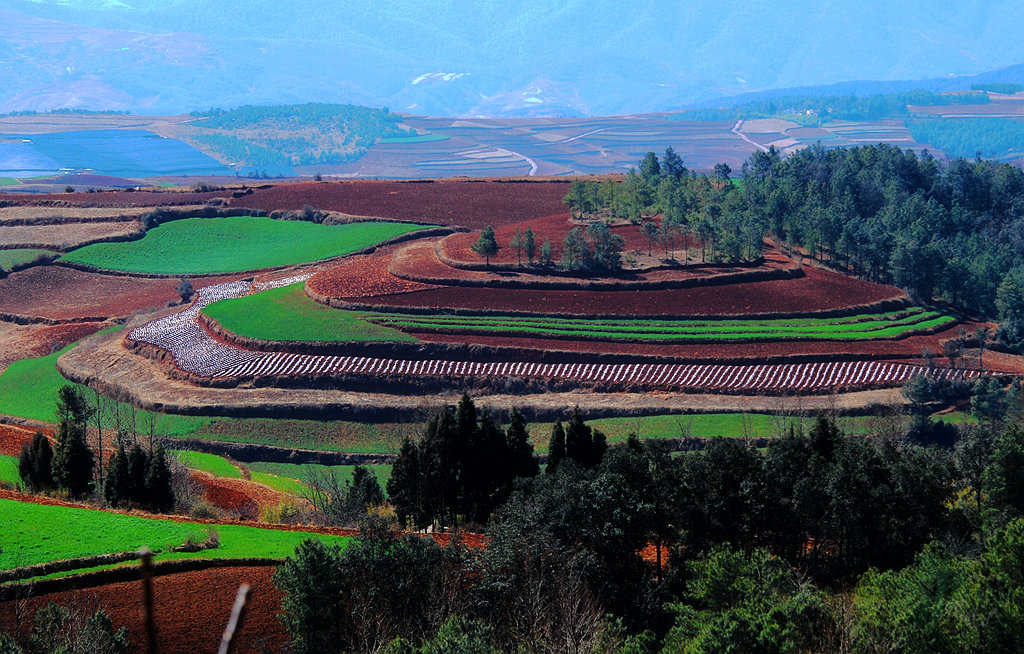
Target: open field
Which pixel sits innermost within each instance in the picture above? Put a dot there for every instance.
(191, 609)
(222, 245)
(817, 290)
(215, 465)
(470, 204)
(60, 293)
(302, 473)
(288, 314)
(66, 236)
(40, 533)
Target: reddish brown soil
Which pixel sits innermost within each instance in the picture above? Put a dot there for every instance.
(60, 293)
(238, 497)
(471, 204)
(26, 341)
(360, 277)
(907, 350)
(114, 198)
(191, 609)
(13, 437)
(818, 290)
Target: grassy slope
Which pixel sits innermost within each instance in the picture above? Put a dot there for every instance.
(28, 389)
(219, 245)
(11, 258)
(217, 466)
(9, 470)
(288, 314)
(35, 533)
(301, 473)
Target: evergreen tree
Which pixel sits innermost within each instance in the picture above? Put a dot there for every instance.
(118, 486)
(138, 465)
(35, 464)
(556, 447)
(363, 490)
(487, 245)
(405, 487)
(73, 460)
(546, 253)
(522, 462)
(529, 244)
(159, 492)
(518, 243)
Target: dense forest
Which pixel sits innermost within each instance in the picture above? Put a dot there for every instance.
(819, 543)
(945, 231)
(968, 137)
(277, 138)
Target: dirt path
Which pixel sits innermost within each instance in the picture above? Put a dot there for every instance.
(736, 130)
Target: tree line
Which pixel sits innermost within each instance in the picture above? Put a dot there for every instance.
(945, 231)
(135, 476)
(819, 542)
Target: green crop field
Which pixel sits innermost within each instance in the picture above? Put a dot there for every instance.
(859, 327)
(21, 256)
(219, 245)
(35, 533)
(288, 314)
(278, 483)
(217, 466)
(9, 470)
(28, 389)
(8, 181)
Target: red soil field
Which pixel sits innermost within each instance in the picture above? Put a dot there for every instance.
(239, 497)
(60, 293)
(359, 277)
(27, 341)
(818, 290)
(191, 610)
(471, 204)
(13, 437)
(906, 350)
(114, 198)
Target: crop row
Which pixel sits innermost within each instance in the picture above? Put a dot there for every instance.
(196, 352)
(864, 327)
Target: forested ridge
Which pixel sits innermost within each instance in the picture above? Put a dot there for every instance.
(945, 231)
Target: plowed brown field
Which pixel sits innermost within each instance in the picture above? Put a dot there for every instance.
(26, 341)
(471, 204)
(360, 277)
(60, 293)
(191, 610)
(818, 290)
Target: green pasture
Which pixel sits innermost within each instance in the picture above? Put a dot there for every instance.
(217, 466)
(33, 533)
(279, 483)
(11, 258)
(288, 314)
(195, 246)
(9, 181)
(28, 389)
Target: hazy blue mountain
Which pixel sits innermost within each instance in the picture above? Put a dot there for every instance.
(448, 57)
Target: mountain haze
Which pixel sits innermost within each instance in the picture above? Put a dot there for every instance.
(484, 58)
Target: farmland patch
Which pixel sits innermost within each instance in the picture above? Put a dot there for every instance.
(223, 245)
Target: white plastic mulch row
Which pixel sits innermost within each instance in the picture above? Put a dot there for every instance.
(196, 352)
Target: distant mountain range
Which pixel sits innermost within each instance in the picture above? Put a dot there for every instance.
(485, 58)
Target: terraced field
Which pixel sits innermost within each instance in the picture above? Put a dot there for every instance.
(857, 327)
(221, 245)
(39, 533)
